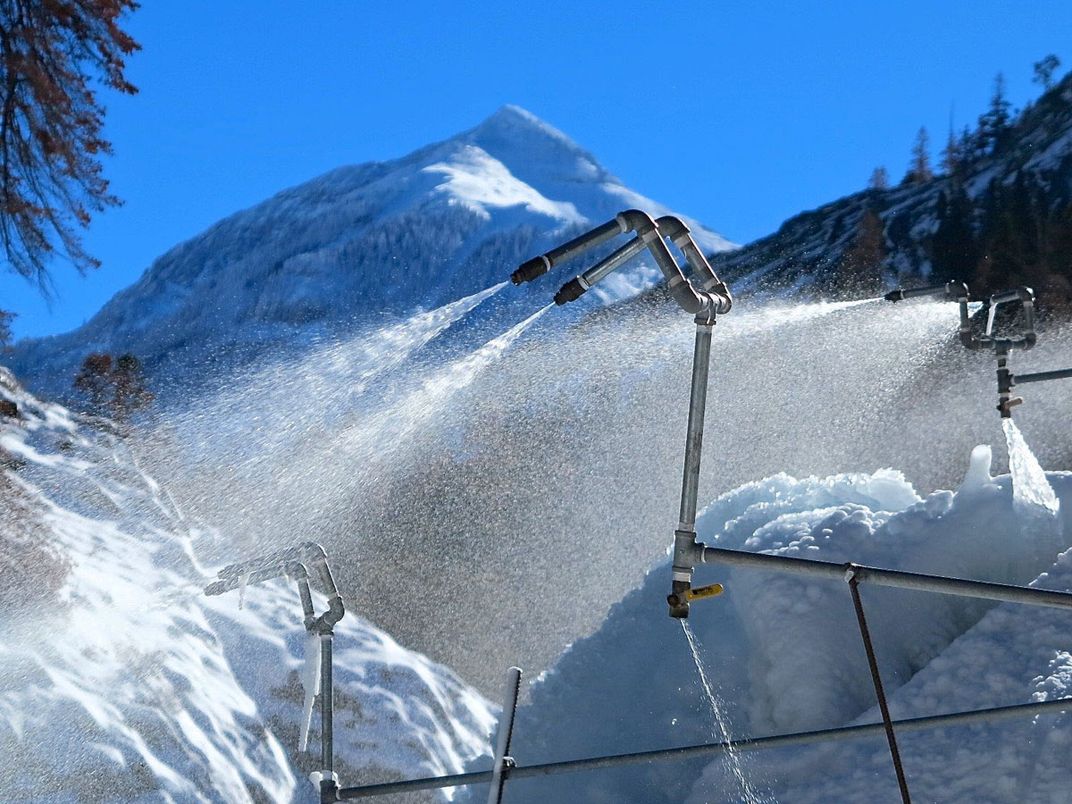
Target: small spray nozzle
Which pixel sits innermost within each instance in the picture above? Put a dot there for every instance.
(531, 269)
(571, 291)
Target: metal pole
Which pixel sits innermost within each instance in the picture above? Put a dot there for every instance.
(694, 751)
(328, 786)
(960, 587)
(503, 761)
(1042, 376)
(880, 692)
(690, 481)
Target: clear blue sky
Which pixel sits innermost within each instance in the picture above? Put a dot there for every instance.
(737, 113)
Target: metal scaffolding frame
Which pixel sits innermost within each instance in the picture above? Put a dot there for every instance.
(505, 767)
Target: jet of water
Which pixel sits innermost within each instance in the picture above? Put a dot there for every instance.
(721, 722)
(1031, 491)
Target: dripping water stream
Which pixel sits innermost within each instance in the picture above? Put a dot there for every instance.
(720, 730)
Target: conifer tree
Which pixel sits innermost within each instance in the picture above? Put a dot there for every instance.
(952, 157)
(919, 169)
(860, 268)
(130, 393)
(51, 125)
(1044, 70)
(880, 179)
(954, 253)
(95, 380)
(5, 330)
(994, 123)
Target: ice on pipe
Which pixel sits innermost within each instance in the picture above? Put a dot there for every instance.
(316, 777)
(310, 679)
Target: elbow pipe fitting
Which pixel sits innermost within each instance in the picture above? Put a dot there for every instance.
(1021, 294)
(714, 299)
(678, 233)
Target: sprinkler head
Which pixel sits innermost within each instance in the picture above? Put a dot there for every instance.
(531, 269)
(571, 291)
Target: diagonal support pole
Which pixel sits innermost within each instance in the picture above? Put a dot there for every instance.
(504, 762)
(880, 693)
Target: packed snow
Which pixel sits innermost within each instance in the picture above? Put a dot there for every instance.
(783, 653)
(132, 685)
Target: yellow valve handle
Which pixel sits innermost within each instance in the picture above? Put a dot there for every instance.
(700, 592)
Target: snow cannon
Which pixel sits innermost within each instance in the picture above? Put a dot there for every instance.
(705, 300)
(295, 563)
(951, 291)
(712, 298)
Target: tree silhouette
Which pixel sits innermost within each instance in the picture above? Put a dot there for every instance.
(113, 388)
(51, 124)
(1044, 70)
(95, 380)
(919, 169)
(880, 179)
(5, 330)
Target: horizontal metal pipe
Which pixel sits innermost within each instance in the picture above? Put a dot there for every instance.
(707, 749)
(1041, 376)
(588, 240)
(941, 584)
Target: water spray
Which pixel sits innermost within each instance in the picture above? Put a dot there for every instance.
(711, 299)
(295, 563)
(1025, 338)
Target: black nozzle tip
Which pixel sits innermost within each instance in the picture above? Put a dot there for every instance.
(894, 295)
(571, 291)
(530, 269)
(678, 610)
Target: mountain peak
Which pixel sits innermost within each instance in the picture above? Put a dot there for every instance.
(515, 136)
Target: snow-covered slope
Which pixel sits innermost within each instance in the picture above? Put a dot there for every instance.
(784, 654)
(128, 684)
(353, 245)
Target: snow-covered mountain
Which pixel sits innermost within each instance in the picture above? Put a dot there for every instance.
(807, 253)
(121, 681)
(352, 246)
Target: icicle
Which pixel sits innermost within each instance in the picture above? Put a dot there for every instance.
(242, 591)
(310, 679)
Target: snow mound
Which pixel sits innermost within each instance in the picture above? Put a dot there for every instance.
(784, 651)
(134, 685)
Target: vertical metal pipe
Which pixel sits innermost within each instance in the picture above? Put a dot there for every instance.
(327, 749)
(690, 481)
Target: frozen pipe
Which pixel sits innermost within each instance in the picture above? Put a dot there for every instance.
(291, 561)
(840, 733)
